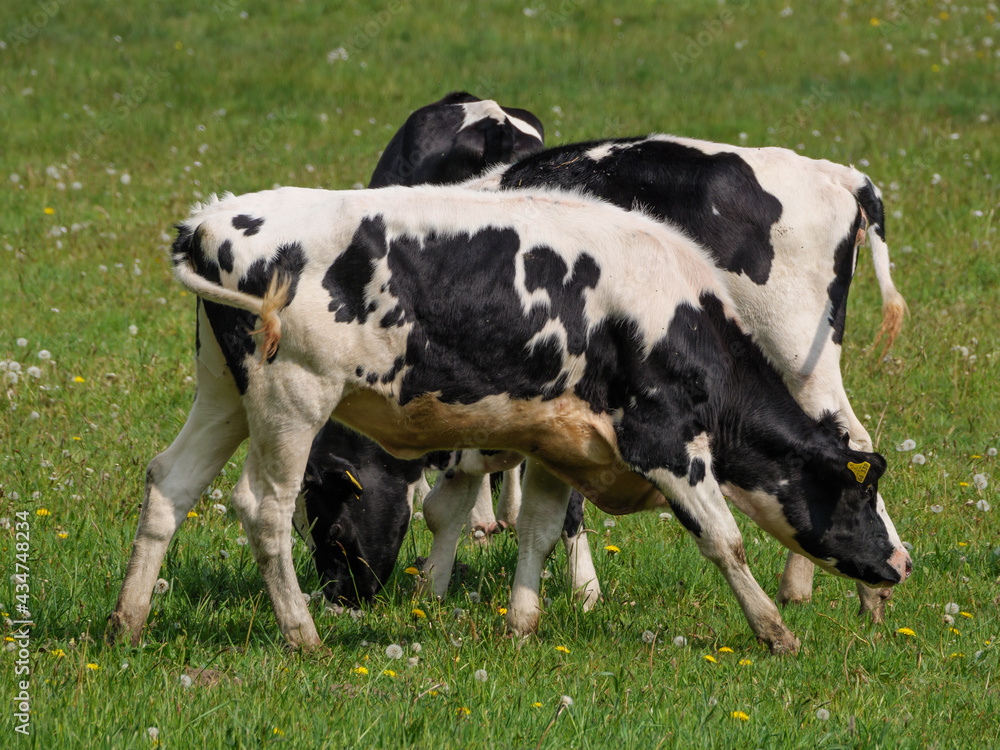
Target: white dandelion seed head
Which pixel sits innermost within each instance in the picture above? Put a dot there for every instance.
(413, 661)
(126, 178)
(242, 541)
(22, 342)
(713, 701)
(35, 372)
(919, 459)
(13, 366)
(948, 620)
(609, 523)
(394, 651)
(12, 378)
(906, 445)
(5, 523)
(648, 636)
(937, 508)
(480, 675)
(216, 494)
(480, 534)
(161, 586)
(44, 354)
(418, 516)
(458, 613)
(223, 554)
(124, 665)
(822, 714)
(416, 647)
(566, 701)
(680, 641)
(665, 516)
(951, 608)
(546, 575)
(185, 681)
(153, 732)
(983, 505)
(980, 481)
(133, 329)
(474, 597)
(219, 508)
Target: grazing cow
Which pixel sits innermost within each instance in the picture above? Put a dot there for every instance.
(448, 141)
(354, 511)
(454, 139)
(399, 311)
(785, 230)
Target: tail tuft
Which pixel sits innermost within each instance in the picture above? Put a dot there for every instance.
(270, 322)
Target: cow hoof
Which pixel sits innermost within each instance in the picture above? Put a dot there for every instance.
(784, 599)
(873, 603)
(787, 643)
(120, 631)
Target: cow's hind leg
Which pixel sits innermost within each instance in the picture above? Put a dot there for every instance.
(579, 562)
(175, 480)
(446, 507)
(543, 513)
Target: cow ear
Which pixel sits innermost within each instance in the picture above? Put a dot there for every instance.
(862, 468)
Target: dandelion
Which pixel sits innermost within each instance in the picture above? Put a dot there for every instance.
(242, 541)
(501, 611)
(980, 481)
(480, 534)
(216, 494)
(411, 571)
(153, 732)
(78, 379)
(991, 452)
(161, 586)
(562, 649)
(725, 650)
(710, 658)
(185, 681)
(745, 662)
(413, 661)
(418, 516)
(93, 667)
(22, 342)
(611, 549)
(919, 459)
(536, 704)
(458, 613)
(967, 615)
(394, 651)
(665, 516)
(42, 512)
(463, 711)
(45, 355)
(418, 613)
(58, 653)
(906, 445)
(566, 701)
(388, 673)
(739, 715)
(822, 714)
(360, 670)
(680, 641)
(416, 647)
(192, 514)
(609, 523)
(480, 675)
(948, 620)
(983, 505)
(219, 508)
(49, 211)
(648, 636)
(954, 631)
(963, 484)
(906, 631)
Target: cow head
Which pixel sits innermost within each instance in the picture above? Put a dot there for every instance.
(823, 503)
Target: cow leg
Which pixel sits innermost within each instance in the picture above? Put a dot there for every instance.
(175, 480)
(481, 517)
(509, 504)
(265, 499)
(538, 529)
(702, 510)
(445, 510)
(579, 563)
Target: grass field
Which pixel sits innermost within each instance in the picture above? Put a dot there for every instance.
(115, 117)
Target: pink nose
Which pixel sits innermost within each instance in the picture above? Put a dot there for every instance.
(902, 563)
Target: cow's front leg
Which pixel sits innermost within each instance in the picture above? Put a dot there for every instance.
(543, 512)
(703, 511)
(445, 509)
(509, 504)
(579, 562)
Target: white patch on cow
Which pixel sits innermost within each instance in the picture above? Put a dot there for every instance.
(601, 152)
(300, 520)
(765, 510)
(715, 211)
(524, 127)
(489, 109)
(897, 543)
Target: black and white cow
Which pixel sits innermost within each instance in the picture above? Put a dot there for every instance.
(454, 139)
(547, 324)
(784, 228)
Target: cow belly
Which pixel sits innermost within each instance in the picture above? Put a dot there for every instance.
(573, 442)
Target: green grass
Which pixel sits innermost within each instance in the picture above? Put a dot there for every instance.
(190, 98)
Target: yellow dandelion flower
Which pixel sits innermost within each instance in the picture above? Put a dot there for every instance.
(411, 571)
(875, 22)
(975, 456)
(966, 614)
(58, 653)
(943, 15)
(954, 630)
(49, 210)
(278, 733)
(42, 512)
(192, 514)
(418, 613)
(501, 611)
(388, 673)
(563, 649)
(963, 544)
(77, 437)
(612, 549)
(961, 484)
(709, 657)
(906, 631)
(178, 45)
(536, 704)
(725, 650)
(62, 535)
(739, 715)
(434, 693)
(745, 662)
(937, 69)
(956, 655)
(78, 379)
(361, 670)
(93, 667)
(463, 711)
(8, 639)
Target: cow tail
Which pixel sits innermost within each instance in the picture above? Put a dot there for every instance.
(894, 307)
(266, 309)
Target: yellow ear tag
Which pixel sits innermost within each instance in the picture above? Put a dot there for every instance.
(860, 471)
(358, 484)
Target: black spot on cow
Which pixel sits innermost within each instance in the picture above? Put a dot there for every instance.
(843, 269)
(574, 514)
(359, 371)
(249, 225)
(348, 276)
(544, 269)
(688, 521)
(390, 374)
(715, 198)
(226, 256)
(696, 471)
